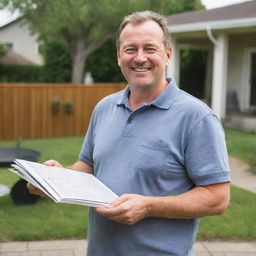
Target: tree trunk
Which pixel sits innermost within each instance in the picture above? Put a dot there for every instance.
(78, 54)
(80, 50)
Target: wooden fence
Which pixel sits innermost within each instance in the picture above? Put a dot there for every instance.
(45, 110)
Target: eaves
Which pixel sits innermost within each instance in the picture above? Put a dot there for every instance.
(213, 25)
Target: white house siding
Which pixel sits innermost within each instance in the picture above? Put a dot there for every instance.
(238, 73)
(23, 42)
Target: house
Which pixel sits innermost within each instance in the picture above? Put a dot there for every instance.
(228, 34)
(12, 57)
(23, 47)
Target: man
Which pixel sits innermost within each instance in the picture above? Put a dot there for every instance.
(162, 150)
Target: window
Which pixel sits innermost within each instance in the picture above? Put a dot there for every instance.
(8, 45)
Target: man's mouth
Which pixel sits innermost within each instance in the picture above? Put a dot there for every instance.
(140, 69)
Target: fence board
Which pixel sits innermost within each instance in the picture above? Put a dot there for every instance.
(26, 109)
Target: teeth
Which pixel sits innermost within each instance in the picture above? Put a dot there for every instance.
(140, 69)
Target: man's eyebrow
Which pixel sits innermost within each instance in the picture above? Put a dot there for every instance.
(128, 45)
(152, 44)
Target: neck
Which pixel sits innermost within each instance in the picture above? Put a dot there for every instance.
(144, 95)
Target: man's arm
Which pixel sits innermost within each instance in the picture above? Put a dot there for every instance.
(198, 202)
(81, 166)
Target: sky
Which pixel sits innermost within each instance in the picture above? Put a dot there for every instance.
(6, 16)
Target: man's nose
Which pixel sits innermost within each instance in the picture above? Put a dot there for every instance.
(140, 56)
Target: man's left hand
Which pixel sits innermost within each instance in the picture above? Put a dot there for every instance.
(127, 209)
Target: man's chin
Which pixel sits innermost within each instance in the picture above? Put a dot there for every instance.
(141, 83)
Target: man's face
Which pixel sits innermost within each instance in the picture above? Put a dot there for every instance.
(142, 55)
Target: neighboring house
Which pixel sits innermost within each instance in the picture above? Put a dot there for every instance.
(17, 37)
(229, 36)
(11, 57)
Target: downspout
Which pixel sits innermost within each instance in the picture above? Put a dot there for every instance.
(215, 44)
(210, 35)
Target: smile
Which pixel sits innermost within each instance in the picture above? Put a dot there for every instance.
(140, 69)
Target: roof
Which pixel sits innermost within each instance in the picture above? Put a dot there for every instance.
(237, 15)
(11, 22)
(12, 57)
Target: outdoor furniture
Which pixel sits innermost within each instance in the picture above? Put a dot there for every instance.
(19, 191)
(7, 155)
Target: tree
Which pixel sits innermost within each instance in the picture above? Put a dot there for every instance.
(102, 64)
(83, 25)
(57, 62)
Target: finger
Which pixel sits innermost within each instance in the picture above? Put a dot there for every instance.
(109, 212)
(120, 200)
(122, 220)
(52, 163)
(34, 190)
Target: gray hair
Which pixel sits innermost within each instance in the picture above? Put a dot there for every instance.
(141, 17)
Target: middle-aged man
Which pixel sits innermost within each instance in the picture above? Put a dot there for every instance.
(162, 150)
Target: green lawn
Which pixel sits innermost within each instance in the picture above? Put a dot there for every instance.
(242, 145)
(47, 220)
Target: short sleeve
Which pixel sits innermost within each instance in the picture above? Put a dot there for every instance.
(86, 154)
(206, 155)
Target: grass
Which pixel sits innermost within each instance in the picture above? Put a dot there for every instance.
(237, 223)
(64, 150)
(47, 220)
(242, 145)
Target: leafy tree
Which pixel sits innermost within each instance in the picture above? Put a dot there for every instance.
(102, 64)
(84, 25)
(57, 62)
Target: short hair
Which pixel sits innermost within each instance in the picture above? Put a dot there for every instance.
(141, 17)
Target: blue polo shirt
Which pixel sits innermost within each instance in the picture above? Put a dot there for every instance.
(163, 148)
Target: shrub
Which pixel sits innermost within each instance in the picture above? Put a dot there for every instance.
(20, 73)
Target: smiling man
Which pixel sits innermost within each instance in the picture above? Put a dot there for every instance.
(162, 150)
(143, 58)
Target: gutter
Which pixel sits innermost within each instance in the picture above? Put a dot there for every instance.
(221, 24)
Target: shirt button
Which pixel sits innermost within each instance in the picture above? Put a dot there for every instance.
(129, 119)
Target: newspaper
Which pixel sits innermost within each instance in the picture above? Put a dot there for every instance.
(65, 185)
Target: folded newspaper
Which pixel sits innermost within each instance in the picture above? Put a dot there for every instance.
(64, 185)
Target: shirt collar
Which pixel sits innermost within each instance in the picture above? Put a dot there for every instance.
(164, 101)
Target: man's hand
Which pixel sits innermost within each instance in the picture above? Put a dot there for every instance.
(195, 203)
(52, 163)
(34, 190)
(127, 209)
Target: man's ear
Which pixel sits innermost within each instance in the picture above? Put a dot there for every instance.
(118, 57)
(169, 55)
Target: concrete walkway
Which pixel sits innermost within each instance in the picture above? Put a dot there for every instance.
(240, 177)
(78, 247)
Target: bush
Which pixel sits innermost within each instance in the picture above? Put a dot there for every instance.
(2, 50)
(58, 64)
(20, 73)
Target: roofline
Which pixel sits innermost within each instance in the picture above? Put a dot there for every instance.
(220, 24)
(11, 22)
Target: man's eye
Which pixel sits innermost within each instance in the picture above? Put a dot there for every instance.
(130, 50)
(150, 50)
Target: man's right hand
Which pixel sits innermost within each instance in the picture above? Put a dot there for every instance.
(34, 190)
